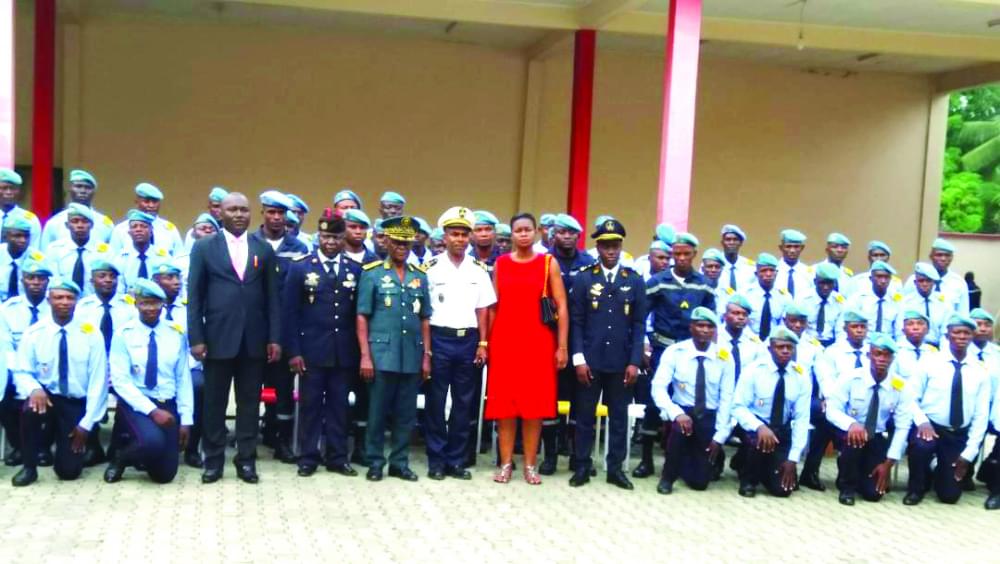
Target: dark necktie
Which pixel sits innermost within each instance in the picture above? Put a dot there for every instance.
(106, 326)
(778, 405)
(63, 363)
(980, 355)
(821, 318)
(871, 420)
(12, 281)
(732, 275)
(736, 359)
(170, 312)
(610, 278)
(78, 267)
(937, 285)
(917, 351)
(957, 417)
(34, 314)
(151, 362)
(791, 281)
(699, 389)
(878, 316)
(857, 358)
(143, 273)
(927, 306)
(328, 266)
(765, 317)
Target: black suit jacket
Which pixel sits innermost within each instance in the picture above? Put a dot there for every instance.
(225, 312)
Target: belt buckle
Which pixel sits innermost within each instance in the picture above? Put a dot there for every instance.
(460, 332)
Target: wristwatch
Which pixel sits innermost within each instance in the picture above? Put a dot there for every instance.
(484, 343)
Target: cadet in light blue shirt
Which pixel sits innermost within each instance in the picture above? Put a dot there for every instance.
(71, 256)
(164, 233)
(212, 214)
(846, 354)
(934, 305)
(300, 209)
(837, 247)
(61, 371)
(987, 351)
(737, 270)
(15, 249)
(766, 299)
(150, 373)
(860, 408)
(10, 195)
(953, 286)
(912, 345)
(824, 305)
(771, 403)
(106, 308)
(793, 275)
(950, 410)
(876, 303)
(877, 250)
(135, 258)
(82, 187)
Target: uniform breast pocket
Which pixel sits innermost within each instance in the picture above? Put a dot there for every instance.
(858, 406)
(379, 343)
(388, 295)
(137, 355)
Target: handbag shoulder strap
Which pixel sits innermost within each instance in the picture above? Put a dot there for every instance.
(545, 283)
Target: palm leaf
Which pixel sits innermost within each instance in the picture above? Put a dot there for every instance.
(984, 156)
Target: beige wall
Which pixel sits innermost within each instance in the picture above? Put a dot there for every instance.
(979, 254)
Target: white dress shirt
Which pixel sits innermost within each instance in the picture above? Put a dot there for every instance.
(679, 366)
(755, 394)
(458, 291)
(129, 352)
(238, 251)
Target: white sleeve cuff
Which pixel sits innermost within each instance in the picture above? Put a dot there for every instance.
(578, 359)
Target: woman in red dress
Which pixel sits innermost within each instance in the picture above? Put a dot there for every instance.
(524, 352)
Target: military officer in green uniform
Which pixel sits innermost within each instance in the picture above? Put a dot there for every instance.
(394, 310)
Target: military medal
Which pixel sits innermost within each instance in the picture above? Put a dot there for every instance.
(596, 289)
(627, 308)
(441, 298)
(388, 301)
(594, 304)
(416, 305)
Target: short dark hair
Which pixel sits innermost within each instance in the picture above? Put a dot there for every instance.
(523, 215)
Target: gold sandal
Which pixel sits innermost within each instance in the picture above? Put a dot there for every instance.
(531, 475)
(502, 474)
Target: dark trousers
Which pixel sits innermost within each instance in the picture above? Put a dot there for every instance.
(820, 437)
(359, 412)
(855, 465)
(762, 468)
(198, 385)
(10, 414)
(323, 414)
(946, 448)
(990, 468)
(452, 367)
(279, 417)
(219, 374)
(150, 446)
(686, 455)
(62, 417)
(392, 396)
(651, 422)
(616, 398)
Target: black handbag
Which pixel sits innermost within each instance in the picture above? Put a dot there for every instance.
(550, 312)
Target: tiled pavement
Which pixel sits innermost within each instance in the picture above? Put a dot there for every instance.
(330, 518)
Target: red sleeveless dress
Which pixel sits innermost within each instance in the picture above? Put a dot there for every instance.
(522, 370)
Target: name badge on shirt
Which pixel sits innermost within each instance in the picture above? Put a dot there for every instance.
(43, 368)
(760, 403)
(136, 369)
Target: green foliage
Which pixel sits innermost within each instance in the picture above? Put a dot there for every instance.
(961, 209)
(970, 187)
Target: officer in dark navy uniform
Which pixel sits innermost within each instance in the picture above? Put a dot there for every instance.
(608, 323)
(321, 343)
(671, 296)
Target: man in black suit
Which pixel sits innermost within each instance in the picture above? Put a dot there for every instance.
(233, 326)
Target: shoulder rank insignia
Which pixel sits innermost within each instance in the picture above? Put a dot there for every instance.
(783, 291)
(102, 247)
(898, 383)
(815, 341)
(597, 269)
(839, 298)
(685, 305)
(433, 261)
(723, 354)
(730, 291)
(177, 327)
(941, 297)
(897, 279)
(161, 252)
(897, 297)
(87, 328)
(169, 226)
(36, 255)
(932, 347)
(798, 368)
(751, 262)
(372, 264)
(810, 270)
(129, 299)
(624, 272)
(108, 222)
(28, 214)
(303, 257)
(754, 339)
(848, 270)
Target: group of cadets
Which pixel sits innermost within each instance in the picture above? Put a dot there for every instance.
(776, 356)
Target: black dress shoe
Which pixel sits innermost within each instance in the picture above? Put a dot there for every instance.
(967, 484)
(435, 474)
(993, 502)
(114, 472)
(748, 490)
(45, 458)
(25, 477)
(812, 481)
(247, 473)
(13, 458)
(846, 498)
(579, 478)
(357, 457)
(403, 473)
(92, 457)
(211, 475)
(665, 487)
(307, 470)
(374, 474)
(643, 470)
(344, 469)
(548, 467)
(284, 453)
(458, 473)
(913, 498)
(194, 460)
(619, 479)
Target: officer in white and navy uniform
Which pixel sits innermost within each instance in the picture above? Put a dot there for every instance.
(164, 233)
(745, 349)
(911, 345)
(82, 187)
(876, 303)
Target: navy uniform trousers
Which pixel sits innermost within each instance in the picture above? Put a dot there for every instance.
(245, 374)
(989, 470)
(452, 366)
(651, 422)
(762, 468)
(150, 446)
(323, 414)
(616, 398)
(820, 436)
(686, 455)
(62, 418)
(10, 414)
(198, 389)
(391, 394)
(946, 448)
(855, 465)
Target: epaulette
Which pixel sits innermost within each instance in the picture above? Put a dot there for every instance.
(300, 258)
(87, 328)
(372, 264)
(29, 215)
(754, 339)
(108, 222)
(434, 260)
(170, 226)
(476, 262)
(839, 298)
(177, 327)
(897, 297)
(897, 279)
(932, 347)
(129, 299)
(345, 257)
(419, 267)
(102, 247)
(815, 342)
(597, 269)
(848, 270)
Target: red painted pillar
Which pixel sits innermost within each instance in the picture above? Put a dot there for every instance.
(584, 50)
(43, 135)
(7, 83)
(680, 87)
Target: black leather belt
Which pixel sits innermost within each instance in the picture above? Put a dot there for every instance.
(449, 332)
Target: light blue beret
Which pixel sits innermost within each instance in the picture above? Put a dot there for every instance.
(566, 221)
(148, 191)
(422, 225)
(103, 265)
(959, 319)
(915, 314)
(67, 284)
(292, 217)
(767, 259)
(392, 198)
(980, 313)
(136, 215)
(687, 239)
(783, 333)
(704, 314)
(942, 245)
(735, 230)
(165, 267)
(792, 236)
(17, 222)
(827, 271)
(32, 265)
(852, 315)
(601, 219)
(217, 194)
(881, 265)
(741, 301)
(80, 175)
(547, 219)
(275, 199)
(713, 254)
(145, 288)
(795, 309)
(926, 270)
(298, 203)
(8, 176)
(872, 245)
(884, 342)
(205, 217)
(666, 233)
(503, 230)
(346, 194)
(74, 209)
(838, 239)
(355, 215)
(437, 234)
(484, 217)
(658, 245)
(378, 225)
